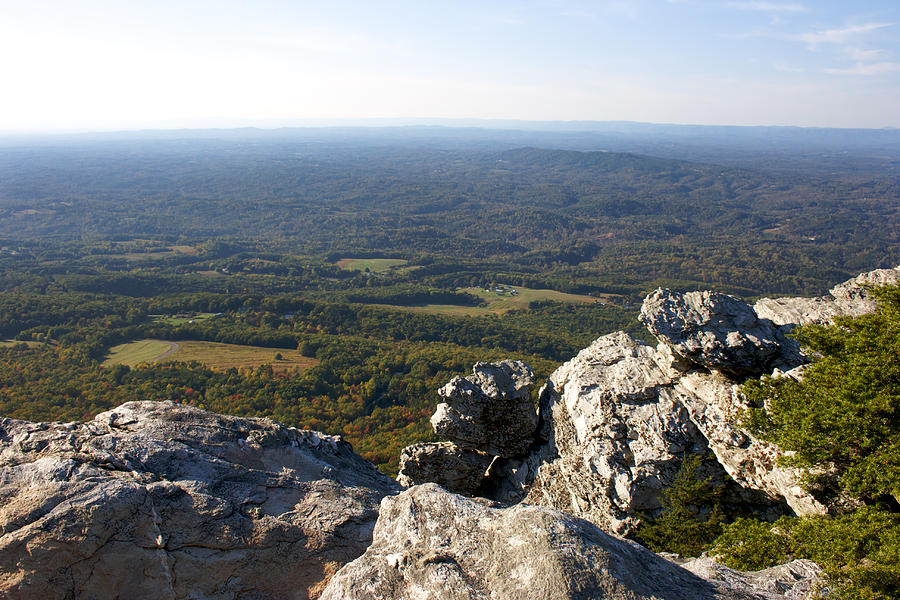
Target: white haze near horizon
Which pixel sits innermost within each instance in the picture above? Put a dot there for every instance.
(114, 64)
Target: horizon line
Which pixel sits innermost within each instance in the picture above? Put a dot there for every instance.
(558, 125)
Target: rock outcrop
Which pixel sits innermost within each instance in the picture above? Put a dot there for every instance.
(618, 419)
(489, 410)
(487, 417)
(430, 544)
(848, 299)
(158, 500)
(719, 332)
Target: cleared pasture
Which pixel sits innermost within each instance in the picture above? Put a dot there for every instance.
(375, 265)
(214, 355)
(140, 351)
(499, 303)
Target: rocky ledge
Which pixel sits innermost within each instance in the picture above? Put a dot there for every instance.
(161, 501)
(430, 544)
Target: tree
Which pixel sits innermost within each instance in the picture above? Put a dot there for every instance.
(690, 519)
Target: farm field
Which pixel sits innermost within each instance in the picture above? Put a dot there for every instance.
(140, 351)
(214, 355)
(499, 303)
(375, 265)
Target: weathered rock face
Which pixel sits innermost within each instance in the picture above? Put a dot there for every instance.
(718, 331)
(850, 299)
(446, 464)
(620, 416)
(158, 500)
(490, 410)
(713, 403)
(430, 544)
(615, 441)
(619, 419)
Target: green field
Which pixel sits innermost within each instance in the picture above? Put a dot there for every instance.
(375, 265)
(522, 297)
(212, 354)
(499, 303)
(134, 353)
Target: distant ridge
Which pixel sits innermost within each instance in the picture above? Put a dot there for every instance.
(821, 150)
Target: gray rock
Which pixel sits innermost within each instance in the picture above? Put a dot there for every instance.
(430, 544)
(490, 410)
(455, 469)
(618, 420)
(612, 441)
(848, 299)
(718, 331)
(796, 580)
(159, 500)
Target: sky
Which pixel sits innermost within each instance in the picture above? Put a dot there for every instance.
(75, 65)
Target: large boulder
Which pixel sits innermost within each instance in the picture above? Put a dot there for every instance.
(157, 500)
(430, 544)
(489, 410)
(612, 442)
(719, 332)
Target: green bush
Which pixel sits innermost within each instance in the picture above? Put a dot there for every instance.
(860, 551)
(751, 545)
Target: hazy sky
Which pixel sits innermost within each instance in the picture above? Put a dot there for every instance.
(112, 64)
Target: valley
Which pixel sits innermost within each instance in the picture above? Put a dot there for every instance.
(379, 267)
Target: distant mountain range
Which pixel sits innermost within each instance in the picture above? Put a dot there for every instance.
(810, 148)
